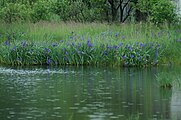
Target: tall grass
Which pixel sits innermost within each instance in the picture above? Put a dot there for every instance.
(89, 44)
(169, 79)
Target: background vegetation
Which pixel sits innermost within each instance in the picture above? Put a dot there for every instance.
(89, 44)
(86, 32)
(157, 11)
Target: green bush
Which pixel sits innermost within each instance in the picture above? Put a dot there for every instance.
(158, 11)
(78, 10)
(14, 12)
(41, 10)
(163, 11)
(61, 8)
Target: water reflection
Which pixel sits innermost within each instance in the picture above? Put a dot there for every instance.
(85, 93)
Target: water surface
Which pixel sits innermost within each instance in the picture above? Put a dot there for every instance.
(85, 93)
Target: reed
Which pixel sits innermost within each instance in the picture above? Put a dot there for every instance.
(169, 79)
(89, 44)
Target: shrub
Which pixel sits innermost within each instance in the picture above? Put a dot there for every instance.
(41, 10)
(14, 12)
(163, 11)
(158, 11)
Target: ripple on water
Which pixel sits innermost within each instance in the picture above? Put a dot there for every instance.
(57, 108)
(73, 108)
(10, 71)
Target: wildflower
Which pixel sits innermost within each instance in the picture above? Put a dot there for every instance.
(23, 44)
(139, 58)
(116, 34)
(81, 38)
(179, 40)
(79, 45)
(126, 46)
(123, 37)
(89, 44)
(130, 48)
(7, 43)
(156, 52)
(68, 44)
(61, 41)
(47, 50)
(105, 53)
(71, 37)
(54, 44)
(14, 48)
(102, 45)
(124, 57)
(49, 61)
(115, 47)
(79, 52)
(73, 44)
(108, 47)
(56, 63)
(120, 44)
(9, 37)
(132, 56)
(66, 53)
(142, 45)
(65, 58)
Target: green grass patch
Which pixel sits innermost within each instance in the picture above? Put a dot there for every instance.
(89, 44)
(169, 79)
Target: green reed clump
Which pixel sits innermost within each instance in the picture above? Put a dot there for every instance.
(79, 50)
(169, 79)
(88, 44)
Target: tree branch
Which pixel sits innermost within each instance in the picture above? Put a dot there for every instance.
(127, 14)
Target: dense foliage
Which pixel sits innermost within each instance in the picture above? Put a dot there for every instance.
(89, 44)
(80, 51)
(158, 11)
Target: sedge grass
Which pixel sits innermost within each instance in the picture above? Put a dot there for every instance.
(89, 44)
(169, 79)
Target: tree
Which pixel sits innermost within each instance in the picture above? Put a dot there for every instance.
(123, 7)
(157, 11)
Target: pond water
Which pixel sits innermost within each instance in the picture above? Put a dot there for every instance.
(85, 93)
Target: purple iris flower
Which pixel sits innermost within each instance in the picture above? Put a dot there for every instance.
(132, 56)
(73, 44)
(23, 44)
(124, 57)
(66, 53)
(179, 40)
(89, 44)
(71, 37)
(54, 44)
(142, 45)
(7, 43)
(115, 47)
(120, 44)
(116, 34)
(61, 41)
(105, 53)
(65, 58)
(130, 48)
(123, 37)
(49, 61)
(47, 50)
(108, 47)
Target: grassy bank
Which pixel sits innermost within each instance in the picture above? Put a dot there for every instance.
(89, 44)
